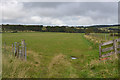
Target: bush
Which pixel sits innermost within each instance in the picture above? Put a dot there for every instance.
(14, 32)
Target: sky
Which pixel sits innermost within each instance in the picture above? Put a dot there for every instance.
(59, 13)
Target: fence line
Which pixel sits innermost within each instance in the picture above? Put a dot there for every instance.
(104, 36)
(18, 49)
(115, 46)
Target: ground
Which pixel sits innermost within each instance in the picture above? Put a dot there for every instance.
(49, 56)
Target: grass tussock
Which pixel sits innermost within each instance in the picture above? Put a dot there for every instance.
(16, 68)
(102, 68)
(61, 67)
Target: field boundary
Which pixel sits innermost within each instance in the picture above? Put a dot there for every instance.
(114, 47)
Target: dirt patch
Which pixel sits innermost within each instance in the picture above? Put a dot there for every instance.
(60, 67)
(57, 60)
(35, 57)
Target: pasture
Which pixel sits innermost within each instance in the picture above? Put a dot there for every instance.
(49, 56)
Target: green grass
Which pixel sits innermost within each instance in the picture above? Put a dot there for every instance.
(49, 56)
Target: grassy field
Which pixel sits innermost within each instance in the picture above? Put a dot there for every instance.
(49, 56)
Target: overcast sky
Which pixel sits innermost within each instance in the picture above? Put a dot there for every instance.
(60, 13)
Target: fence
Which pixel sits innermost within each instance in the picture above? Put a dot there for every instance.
(18, 49)
(104, 36)
(115, 46)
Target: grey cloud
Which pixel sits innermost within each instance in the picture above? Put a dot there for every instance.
(42, 4)
(69, 13)
(92, 9)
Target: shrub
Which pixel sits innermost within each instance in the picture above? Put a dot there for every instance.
(14, 32)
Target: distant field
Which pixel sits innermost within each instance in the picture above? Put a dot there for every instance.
(49, 56)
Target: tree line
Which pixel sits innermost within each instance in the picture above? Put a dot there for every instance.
(41, 28)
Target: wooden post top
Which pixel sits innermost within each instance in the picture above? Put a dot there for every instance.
(23, 40)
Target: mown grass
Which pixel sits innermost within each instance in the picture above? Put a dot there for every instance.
(49, 56)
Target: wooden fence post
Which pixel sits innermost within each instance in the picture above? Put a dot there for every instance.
(15, 49)
(17, 54)
(5, 46)
(115, 45)
(25, 52)
(99, 50)
(20, 51)
(23, 48)
(12, 48)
